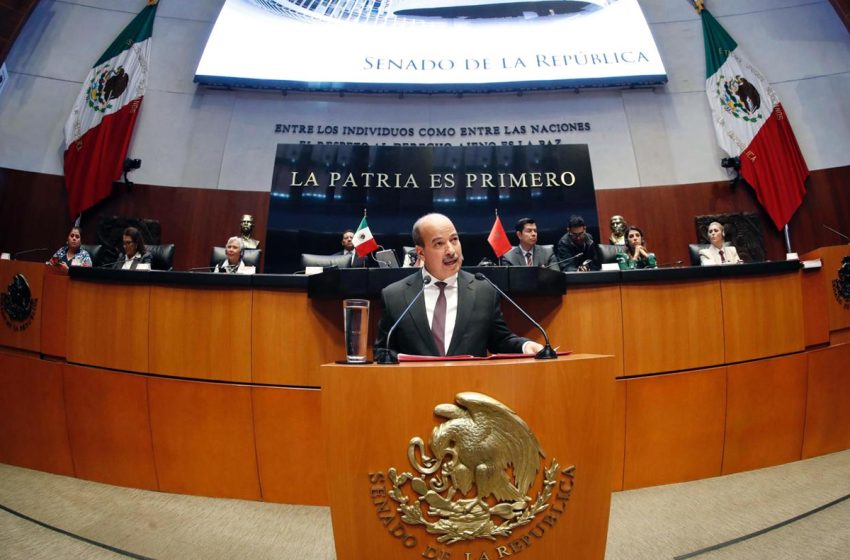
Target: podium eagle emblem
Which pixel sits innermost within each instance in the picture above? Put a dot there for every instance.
(474, 478)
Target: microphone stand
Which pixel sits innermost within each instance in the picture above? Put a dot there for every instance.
(386, 356)
(836, 232)
(26, 252)
(548, 353)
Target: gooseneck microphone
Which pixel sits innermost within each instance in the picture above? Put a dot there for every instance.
(201, 268)
(28, 251)
(569, 259)
(548, 353)
(836, 232)
(386, 356)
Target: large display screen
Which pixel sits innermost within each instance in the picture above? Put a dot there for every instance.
(319, 191)
(430, 45)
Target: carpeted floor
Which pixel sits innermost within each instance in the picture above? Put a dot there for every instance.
(710, 519)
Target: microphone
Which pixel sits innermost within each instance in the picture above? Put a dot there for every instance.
(199, 268)
(27, 251)
(570, 259)
(836, 232)
(386, 356)
(547, 353)
(110, 264)
(674, 263)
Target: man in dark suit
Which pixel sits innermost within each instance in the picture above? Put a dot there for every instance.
(456, 315)
(348, 249)
(528, 252)
(576, 250)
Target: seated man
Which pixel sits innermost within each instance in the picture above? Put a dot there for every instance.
(456, 315)
(528, 253)
(348, 249)
(576, 249)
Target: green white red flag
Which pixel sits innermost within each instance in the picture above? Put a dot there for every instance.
(752, 125)
(98, 132)
(498, 239)
(364, 243)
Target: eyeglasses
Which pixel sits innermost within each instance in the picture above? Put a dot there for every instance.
(128, 243)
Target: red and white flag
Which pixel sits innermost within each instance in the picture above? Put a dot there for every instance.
(99, 129)
(752, 125)
(498, 239)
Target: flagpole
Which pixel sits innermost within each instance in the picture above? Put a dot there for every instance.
(787, 241)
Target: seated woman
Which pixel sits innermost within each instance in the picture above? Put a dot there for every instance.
(635, 255)
(71, 254)
(718, 253)
(233, 263)
(135, 255)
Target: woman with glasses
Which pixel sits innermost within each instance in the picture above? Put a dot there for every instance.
(135, 255)
(635, 255)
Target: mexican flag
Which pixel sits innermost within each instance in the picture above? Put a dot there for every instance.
(364, 243)
(752, 125)
(99, 129)
(498, 239)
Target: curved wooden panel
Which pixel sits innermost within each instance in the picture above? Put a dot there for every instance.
(762, 316)
(24, 335)
(108, 325)
(370, 414)
(815, 302)
(293, 335)
(55, 311)
(590, 322)
(201, 332)
(675, 427)
(109, 427)
(288, 428)
(828, 402)
(670, 327)
(33, 430)
(203, 438)
(619, 439)
(765, 413)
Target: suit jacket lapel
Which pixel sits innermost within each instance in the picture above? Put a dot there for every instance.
(465, 303)
(418, 312)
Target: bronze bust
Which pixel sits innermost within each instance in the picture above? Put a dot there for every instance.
(618, 230)
(247, 228)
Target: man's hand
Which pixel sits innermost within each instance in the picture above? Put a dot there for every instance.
(531, 347)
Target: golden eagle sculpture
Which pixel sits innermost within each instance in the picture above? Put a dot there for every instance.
(484, 438)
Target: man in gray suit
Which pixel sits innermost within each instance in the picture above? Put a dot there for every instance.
(528, 252)
(456, 315)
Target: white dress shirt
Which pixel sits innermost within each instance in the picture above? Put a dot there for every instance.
(432, 292)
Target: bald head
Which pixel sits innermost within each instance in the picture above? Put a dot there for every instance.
(438, 243)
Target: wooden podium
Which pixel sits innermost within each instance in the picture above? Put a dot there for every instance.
(370, 414)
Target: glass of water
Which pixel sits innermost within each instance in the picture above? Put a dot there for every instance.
(356, 315)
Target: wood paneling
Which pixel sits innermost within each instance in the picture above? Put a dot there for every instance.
(837, 310)
(762, 316)
(109, 427)
(203, 438)
(108, 325)
(55, 312)
(33, 430)
(370, 414)
(828, 401)
(201, 332)
(675, 427)
(619, 439)
(288, 428)
(196, 219)
(24, 335)
(815, 302)
(765, 412)
(293, 335)
(590, 322)
(671, 326)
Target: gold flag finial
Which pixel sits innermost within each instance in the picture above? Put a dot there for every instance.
(153, 2)
(364, 212)
(699, 5)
